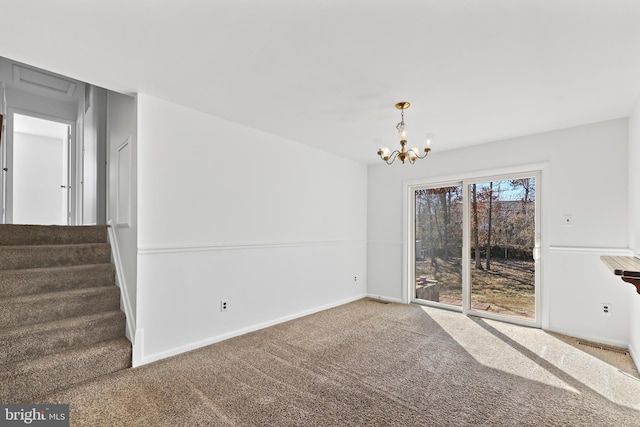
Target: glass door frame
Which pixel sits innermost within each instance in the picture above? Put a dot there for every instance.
(535, 171)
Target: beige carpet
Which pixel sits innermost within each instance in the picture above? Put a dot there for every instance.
(371, 364)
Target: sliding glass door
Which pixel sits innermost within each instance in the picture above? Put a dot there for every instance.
(502, 218)
(477, 247)
(438, 244)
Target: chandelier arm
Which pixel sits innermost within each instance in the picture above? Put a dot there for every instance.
(392, 157)
(426, 153)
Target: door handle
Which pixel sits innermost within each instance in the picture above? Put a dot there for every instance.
(63, 186)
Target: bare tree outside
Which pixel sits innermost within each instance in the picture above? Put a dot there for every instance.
(502, 226)
(505, 228)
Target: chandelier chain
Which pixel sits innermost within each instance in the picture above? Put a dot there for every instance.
(400, 125)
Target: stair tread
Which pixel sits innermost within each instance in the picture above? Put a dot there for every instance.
(56, 268)
(38, 234)
(36, 340)
(31, 256)
(25, 380)
(55, 245)
(29, 281)
(30, 309)
(44, 326)
(24, 365)
(57, 248)
(57, 294)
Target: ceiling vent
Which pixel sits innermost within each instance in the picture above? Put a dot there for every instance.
(43, 80)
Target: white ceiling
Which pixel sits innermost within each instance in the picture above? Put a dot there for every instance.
(327, 73)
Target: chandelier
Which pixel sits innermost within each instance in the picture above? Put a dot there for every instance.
(412, 154)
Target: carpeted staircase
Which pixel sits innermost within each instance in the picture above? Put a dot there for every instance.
(60, 317)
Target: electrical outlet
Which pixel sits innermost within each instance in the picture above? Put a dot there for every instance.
(224, 305)
(606, 308)
(355, 278)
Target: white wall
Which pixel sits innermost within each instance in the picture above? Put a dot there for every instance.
(585, 175)
(122, 202)
(93, 163)
(634, 226)
(634, 179)
(228, 212)
(89, 167)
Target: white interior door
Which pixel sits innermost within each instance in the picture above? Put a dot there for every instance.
(38, 171)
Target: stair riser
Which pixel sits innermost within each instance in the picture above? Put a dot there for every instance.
(57, 306)
(24, 382)
(11, 234)
(44, 280)
(18, 257)
(42, 339)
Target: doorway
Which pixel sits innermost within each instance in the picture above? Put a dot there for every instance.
(37, 174)
(475, 246)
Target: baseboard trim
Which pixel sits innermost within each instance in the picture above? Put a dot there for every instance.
(143, 360)
(601, 340)
(383, 298)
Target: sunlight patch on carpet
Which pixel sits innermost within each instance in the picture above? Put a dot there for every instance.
(537, 355)
(491, 351)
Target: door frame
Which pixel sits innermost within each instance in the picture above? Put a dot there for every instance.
(7, 161)
(539, 171)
